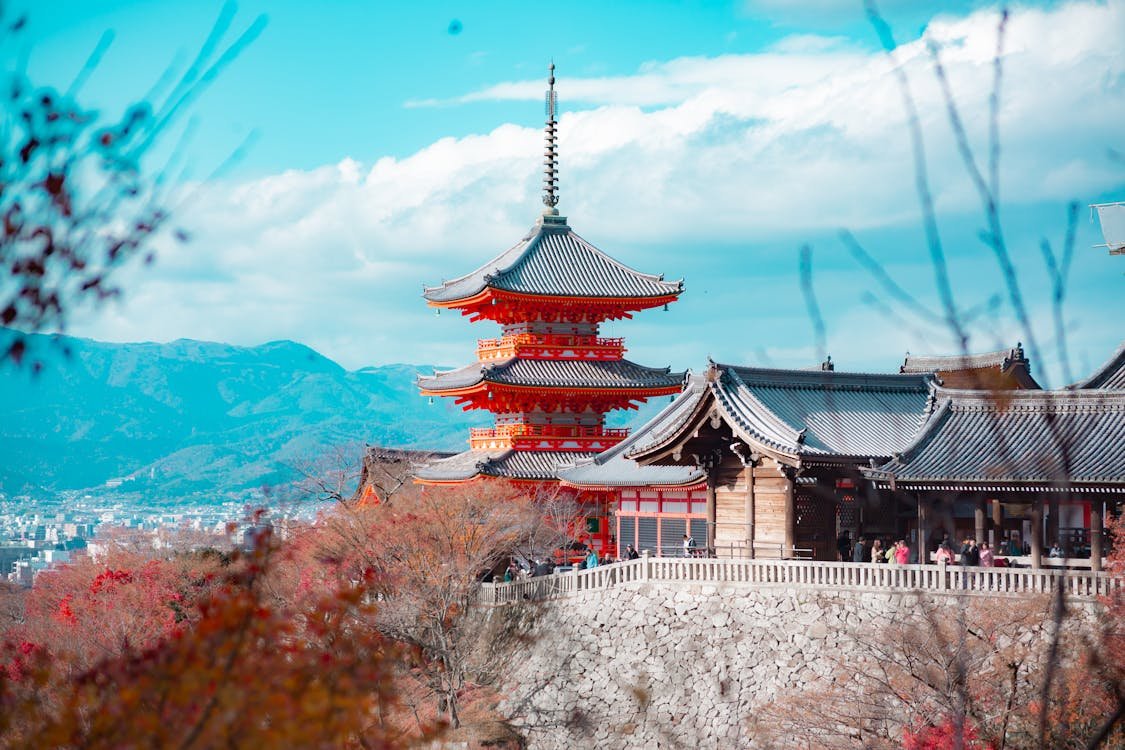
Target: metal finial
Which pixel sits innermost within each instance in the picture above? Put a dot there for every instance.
(550, 157)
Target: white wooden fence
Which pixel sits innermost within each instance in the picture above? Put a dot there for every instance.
(809, 574)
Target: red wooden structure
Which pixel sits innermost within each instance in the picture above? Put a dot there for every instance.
(550, 377)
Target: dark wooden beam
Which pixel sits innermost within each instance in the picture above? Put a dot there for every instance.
(790, 512)
(1053, 519)
(923, 528)
(1037, 533)
(712, 481)
(1096, 534)
(979, 522)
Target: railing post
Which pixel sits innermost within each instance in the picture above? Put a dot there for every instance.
(646, 571)
(943, 580)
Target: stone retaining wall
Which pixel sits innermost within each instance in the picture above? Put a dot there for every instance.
(663, 665)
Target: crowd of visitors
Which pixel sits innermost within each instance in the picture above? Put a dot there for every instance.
(969, 552)
(896, 553)
(875, 550)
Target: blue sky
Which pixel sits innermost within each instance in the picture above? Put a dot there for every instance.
(396, 144)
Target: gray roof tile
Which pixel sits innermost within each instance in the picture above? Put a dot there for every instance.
(825, 412)
(612, 468)
(1020, 436)
(1002, 358)
(1110, 375)
(556, 373)
(552, 260)
(510, 464)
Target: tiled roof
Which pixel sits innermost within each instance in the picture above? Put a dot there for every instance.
(556, 373)
(1002, 358)
(612, 468)
(801, 412)
(510, 464)
(551, 260)
(1110, 375)
(1019, 436)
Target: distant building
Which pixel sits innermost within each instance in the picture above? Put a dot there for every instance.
(1006, 369)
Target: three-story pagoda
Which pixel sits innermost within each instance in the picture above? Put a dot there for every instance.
(551, 376)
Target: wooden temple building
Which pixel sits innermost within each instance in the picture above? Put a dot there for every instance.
(777, 463)
(1006, 369)
(761, 462)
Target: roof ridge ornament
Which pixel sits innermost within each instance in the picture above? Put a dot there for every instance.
(550, 156)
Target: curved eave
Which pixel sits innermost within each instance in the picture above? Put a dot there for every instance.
(882, 481)
(481, 477)
(772, 435)
(836, 459)
(448, 482)
(657, 449)
(1110, 375)
(489, 294)
(694, 483)
(485, 385)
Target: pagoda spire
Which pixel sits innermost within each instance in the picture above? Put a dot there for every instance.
(551, 157)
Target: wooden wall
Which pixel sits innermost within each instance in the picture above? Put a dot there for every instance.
(731, 527)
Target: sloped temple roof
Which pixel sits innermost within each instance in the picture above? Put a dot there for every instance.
(1028, 438)
(612, 468)
(553, 261)
(1003, 368)
(932, 363)
(509, 464)
(1110, 375)
(803, 414)
(621, 374)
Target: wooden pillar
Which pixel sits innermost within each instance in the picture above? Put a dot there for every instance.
(979, 522)
(1053, 519)
(749, 508)
(790, 513)
(712, 481)
(923, 528)
(997, 517)
(1096, 535)
(1037, 533)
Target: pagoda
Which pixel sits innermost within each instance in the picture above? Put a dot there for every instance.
(550, 377)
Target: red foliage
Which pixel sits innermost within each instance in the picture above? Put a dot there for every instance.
(89, 610)
(247, 669)
(944, 736)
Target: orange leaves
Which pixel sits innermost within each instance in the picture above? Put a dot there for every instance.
(107, 579)
(250, 670)
(281, 646)
(66, 613)
(948, 735)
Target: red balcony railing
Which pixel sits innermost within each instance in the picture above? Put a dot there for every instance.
(549, 344)
(548, 430)
(546, 437)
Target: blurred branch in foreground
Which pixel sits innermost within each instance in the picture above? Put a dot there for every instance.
(77, 201)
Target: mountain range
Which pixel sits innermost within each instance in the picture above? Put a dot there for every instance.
(202, 421)
(195, 419)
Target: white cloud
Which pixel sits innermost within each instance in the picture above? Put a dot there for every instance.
(694, 152)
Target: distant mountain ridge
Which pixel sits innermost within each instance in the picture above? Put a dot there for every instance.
(197, 419)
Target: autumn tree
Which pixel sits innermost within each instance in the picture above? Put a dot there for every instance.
(243, 671)
(91, 610)
(424, 553)
(954, 673)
